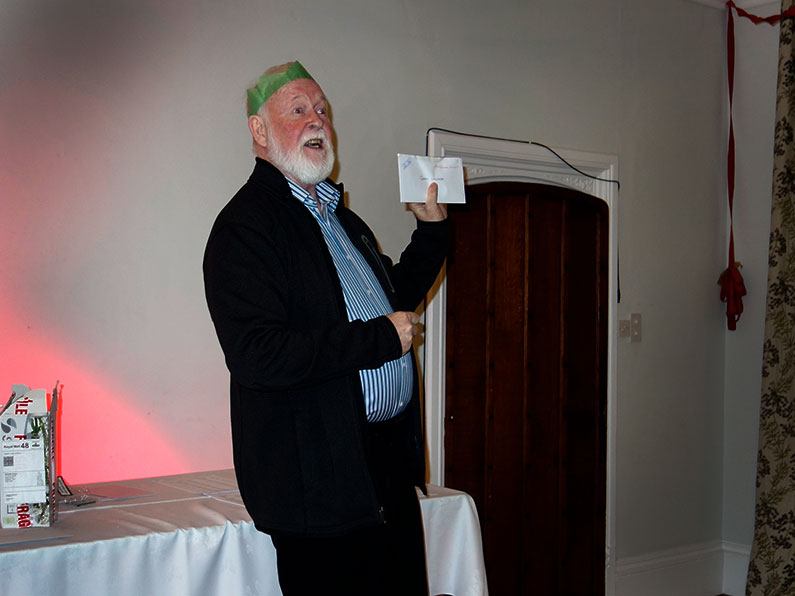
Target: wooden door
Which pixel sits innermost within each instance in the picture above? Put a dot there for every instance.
(526, 399)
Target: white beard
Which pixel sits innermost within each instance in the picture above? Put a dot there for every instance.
(295, 164)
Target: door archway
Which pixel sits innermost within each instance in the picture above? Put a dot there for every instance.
(492, 160)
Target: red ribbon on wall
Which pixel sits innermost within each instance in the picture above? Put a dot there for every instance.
(732, 286)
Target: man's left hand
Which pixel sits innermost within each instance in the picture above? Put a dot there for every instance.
(430, 210)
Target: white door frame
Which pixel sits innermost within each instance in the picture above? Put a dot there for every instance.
(495, 160)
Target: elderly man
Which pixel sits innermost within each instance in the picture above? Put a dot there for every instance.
(316, 327)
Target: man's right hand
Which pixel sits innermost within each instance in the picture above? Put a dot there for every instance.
(404, 323)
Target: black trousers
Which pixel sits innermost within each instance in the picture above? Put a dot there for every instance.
(383, 560)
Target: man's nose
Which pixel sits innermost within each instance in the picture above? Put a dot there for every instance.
(314, 120)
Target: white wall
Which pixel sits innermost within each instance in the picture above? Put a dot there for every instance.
(670, 384)
(754, 120)
(754, 117)
(122, 135)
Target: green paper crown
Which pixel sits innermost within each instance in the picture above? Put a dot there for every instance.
(268, 84)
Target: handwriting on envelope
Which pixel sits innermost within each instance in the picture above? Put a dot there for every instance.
(416, 172)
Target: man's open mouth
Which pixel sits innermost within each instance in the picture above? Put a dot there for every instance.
(314, 144)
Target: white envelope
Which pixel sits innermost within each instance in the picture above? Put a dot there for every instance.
(416, 172)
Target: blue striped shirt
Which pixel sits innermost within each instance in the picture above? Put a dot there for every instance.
(387, 390)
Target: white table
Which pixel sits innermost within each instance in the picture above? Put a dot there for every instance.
(191, 535)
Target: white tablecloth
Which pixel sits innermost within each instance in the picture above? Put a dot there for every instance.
(191, 535)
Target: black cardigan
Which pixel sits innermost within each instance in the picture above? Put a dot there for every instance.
(297, 408)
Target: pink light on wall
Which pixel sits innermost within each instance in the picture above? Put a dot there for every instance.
(100, 261)
(102, 436)
(49, 230)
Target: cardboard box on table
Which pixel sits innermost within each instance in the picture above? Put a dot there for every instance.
(27, 459)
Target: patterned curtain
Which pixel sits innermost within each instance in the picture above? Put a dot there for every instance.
(771, 570)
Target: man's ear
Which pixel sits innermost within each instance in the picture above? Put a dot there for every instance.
(258, 131)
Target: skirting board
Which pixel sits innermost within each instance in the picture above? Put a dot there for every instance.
(735, 567)
(704, 569)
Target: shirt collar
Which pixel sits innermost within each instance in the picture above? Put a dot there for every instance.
(327, 194)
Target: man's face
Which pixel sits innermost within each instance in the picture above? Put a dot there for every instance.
(299, 132)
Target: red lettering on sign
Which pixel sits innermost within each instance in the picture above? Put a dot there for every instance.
(21, 405)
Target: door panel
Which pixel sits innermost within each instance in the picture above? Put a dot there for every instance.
(526, 382)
